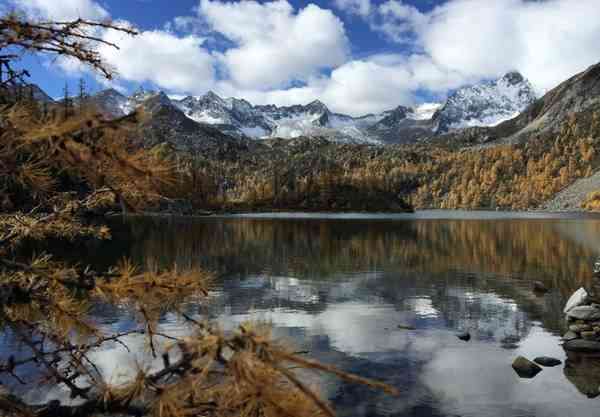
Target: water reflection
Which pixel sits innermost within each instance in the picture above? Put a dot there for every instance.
(340, 288)
(583, 371)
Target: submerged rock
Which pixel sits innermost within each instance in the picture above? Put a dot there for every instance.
(587, 313)
(579, 345)
(578, 298)
(510, 342)
(510, 346)
(510, 339)
(525, 368)
(464, 336)
(547, 361)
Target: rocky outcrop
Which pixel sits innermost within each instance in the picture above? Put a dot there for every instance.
(583, 317)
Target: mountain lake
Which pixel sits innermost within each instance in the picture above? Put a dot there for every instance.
(382, 296)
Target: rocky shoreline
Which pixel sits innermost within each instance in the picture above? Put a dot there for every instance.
(581, 343)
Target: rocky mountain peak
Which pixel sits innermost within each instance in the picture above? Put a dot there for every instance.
(485, 104)
(211, 95)
(110, 92)
(513, 78)
(393, 117)
(316, 106)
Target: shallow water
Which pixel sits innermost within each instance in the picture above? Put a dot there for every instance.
(339, 287)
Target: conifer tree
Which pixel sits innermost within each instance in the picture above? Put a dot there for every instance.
(83, 94)
(67, 102)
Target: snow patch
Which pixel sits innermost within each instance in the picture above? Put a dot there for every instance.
(425, 111)
(255, 132)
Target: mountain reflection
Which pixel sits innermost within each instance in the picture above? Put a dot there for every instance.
(339, 289)
(557, 252)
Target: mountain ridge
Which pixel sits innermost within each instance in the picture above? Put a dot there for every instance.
(477, 105)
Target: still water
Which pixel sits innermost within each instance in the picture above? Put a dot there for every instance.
(339, 287)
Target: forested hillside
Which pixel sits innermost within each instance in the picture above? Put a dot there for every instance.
(291, 174)
(518, 165)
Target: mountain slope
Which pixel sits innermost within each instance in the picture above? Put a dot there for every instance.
(112, 103)
(578, 94)
(401, 125)
(163, 122)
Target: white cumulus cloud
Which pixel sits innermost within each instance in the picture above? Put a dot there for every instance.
(273, 52)
(274, 44)
(62, 9)
(548, 41)
(178, 64)
(358, 7)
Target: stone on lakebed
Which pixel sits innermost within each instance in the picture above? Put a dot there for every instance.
(525, 368)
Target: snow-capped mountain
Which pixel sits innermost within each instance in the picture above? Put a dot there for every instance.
(485, 104)
(239, 117)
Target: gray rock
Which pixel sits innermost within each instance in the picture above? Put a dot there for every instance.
(584, 313)
(547, 361)
(578, 298)
(588, 335)
(578, 328)
(579, 345)
(569, 336)
(525, 368)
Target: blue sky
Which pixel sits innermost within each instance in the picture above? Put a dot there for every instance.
(357, 56)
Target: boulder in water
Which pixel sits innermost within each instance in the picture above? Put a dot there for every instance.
(525, 368)
(547, 361)
(578, 298)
